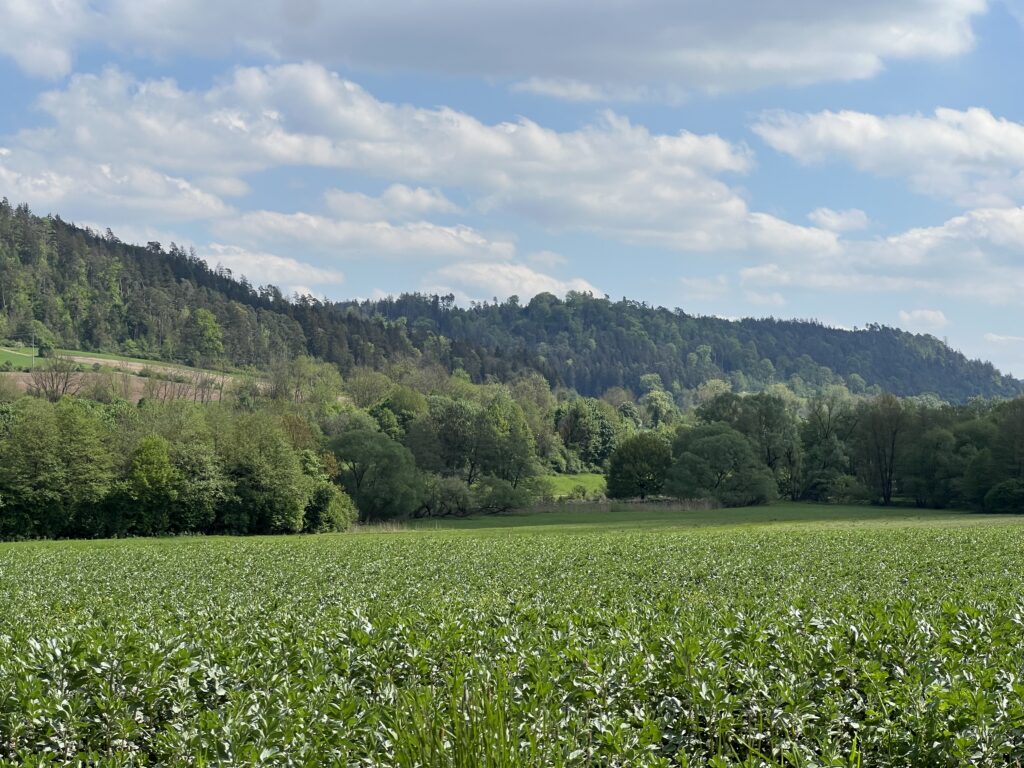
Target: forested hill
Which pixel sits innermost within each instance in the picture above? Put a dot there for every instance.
(72, 287)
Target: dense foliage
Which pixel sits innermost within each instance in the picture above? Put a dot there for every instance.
(834, 447)
(66, 286)
(884, 646)
(86, 469)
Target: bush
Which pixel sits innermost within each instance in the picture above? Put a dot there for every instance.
(1006, 498)
(492, 495)
(329, 509)
(444, 496)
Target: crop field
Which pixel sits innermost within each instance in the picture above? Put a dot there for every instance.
(867, 642)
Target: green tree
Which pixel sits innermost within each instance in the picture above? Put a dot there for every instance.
(933, 470)
(882, 425)
(824, 433)
(588, 430)
(379, 473)
(270, 492)
(639, 466)
(398, 410)
(717, 462)
(32, 475)
(506, 447)
(150, 488)
(329, 508)
(203, 490)
(205, 338)
(306, 380)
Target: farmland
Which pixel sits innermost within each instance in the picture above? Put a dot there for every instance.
(861, 640)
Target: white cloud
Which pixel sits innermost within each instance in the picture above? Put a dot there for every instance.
(561, 88)
(839, 221)
(95, 189)
(268, 268)
(506, 278)
(923, 319)
(397, 203)
(613, 177)
(976, 255)
(417, 240)
(996, 338)
(656, 46)
(40, 35)
(971, 156)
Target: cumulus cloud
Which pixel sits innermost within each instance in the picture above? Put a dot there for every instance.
(655, 46)
(484, 279)
(839, 221)
(94, 189)
(418, 240)
(398, 202)
(971, 157)
(975, 255)
(612, 177)
(923, 319)
(41, 35)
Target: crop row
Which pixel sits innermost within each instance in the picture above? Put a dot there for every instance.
(873, 646)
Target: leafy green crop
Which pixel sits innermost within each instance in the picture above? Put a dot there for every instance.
(874, 646)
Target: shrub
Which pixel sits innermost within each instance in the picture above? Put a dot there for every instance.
(1006, 498)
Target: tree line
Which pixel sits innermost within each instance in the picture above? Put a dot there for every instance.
(302, 449)
(296, 449)
(833, 448)
(70, 287)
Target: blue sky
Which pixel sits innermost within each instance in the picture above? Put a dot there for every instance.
(852, 162)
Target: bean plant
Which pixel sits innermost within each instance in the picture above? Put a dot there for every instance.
(860, 646)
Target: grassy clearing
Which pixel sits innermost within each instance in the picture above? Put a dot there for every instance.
(564, 485)
(19, 358)
(791, 635)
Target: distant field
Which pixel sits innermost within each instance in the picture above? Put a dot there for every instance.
(131, 363)
(19, 358)
(620, 517)
(564, 485)
(784, 636)
(22, 356)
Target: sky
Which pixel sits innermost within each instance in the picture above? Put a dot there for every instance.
(853, 163)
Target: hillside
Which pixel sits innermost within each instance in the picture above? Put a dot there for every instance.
(71, 287)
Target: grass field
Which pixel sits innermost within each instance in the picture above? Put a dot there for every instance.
(786, 636)
(595, 518)
(22, 358)
(19, 358)
(564, 485)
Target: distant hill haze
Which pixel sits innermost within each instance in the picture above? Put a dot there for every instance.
(71, 287)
